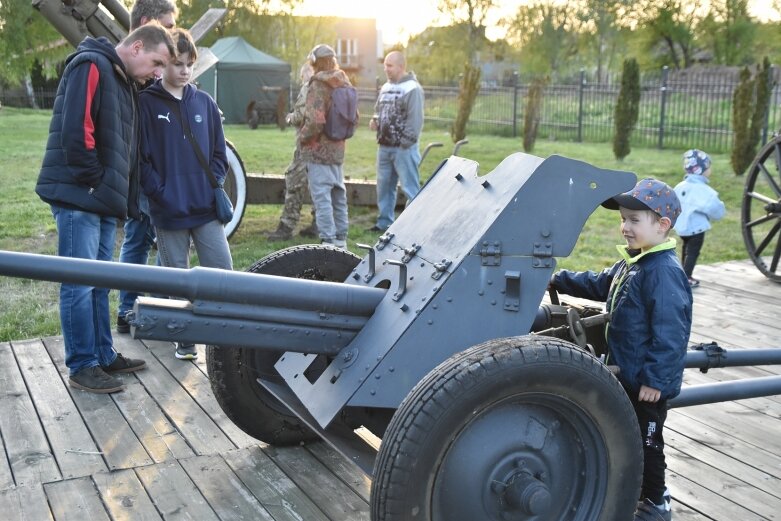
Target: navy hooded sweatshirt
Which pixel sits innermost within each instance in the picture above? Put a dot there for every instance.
(180, 195)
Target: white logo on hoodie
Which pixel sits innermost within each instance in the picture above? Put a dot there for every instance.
(160, 116)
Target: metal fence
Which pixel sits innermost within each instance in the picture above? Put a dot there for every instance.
(677, 109)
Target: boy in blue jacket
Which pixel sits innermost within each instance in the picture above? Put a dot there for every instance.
(650, 302)
(181, 199)
(700, 204)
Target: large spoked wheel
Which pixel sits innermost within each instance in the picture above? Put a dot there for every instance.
(236, 188)
(517, 428)
(234, 371)
(761, 211)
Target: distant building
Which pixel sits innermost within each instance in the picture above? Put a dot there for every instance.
(359, 49)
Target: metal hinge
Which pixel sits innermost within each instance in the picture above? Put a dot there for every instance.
(543, 252)
(440, 268)
(491, 253)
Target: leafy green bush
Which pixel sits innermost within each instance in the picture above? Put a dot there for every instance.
(627, 108)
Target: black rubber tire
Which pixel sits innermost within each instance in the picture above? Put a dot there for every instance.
(233, 371)
(760, 215)
(437, 462)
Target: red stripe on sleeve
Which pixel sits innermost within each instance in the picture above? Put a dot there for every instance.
(89, 124)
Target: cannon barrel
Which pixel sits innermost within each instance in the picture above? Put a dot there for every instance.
(724, 391)
(198, 283)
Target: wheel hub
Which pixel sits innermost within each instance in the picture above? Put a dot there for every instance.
(524, 492)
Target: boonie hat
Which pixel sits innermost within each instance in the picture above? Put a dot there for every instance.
(649, 194)
(696, 161)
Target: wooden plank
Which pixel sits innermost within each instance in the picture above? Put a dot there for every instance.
(201, 433)
(6, 477)
(68, 436)
(29, 455)
(124, 496)
(730, 445)
(347, 471)
(75, 499)
(706, 503)
(173, 492)
(335, 498)
(226, 494)
(111, 432)
(275, 491)
(196, 383)
(727, 463)
(158, 435)
(25, 503)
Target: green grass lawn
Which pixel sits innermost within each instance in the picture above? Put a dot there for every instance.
(29, 309)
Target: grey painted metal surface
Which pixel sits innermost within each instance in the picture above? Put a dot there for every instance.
(490, 241)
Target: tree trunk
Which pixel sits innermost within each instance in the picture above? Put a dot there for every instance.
(28, 86)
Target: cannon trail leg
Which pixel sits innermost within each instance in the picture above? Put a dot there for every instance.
(516, 428)
(761, 210)
(233, 371)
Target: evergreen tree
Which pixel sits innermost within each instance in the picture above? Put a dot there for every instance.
(750, 103)
(627, 108)
(531, 119)
(467, 92)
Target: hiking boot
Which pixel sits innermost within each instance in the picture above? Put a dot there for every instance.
(121, 364)
(95, 380)
(282, 233)
(647, 511)
(186, 352)
(123, 326)
(310, 231)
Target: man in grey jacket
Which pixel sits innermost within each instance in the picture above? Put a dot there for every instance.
(398, 120)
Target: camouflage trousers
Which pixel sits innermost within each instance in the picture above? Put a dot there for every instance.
(296, 189)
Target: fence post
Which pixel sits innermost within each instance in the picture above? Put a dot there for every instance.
(581, 88)
(515, 103)
(770, 80)
(665, 72)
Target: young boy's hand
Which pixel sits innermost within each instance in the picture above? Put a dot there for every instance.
(649, 394)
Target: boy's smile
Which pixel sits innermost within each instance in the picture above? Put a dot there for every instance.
(643, 229)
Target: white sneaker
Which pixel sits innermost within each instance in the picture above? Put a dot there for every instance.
(340, 243)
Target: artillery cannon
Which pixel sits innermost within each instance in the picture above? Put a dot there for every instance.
(489, 405)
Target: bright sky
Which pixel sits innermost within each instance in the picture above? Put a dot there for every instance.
(399, 19)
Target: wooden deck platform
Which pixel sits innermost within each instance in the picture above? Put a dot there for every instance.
(164, 449)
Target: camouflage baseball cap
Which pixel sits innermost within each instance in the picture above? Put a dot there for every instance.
(649, 194)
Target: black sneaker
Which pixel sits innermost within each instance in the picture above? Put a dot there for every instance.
(124, 365)
(186, 352)
(376, 228)
(95, 380)
(647, 511)
(122, 324)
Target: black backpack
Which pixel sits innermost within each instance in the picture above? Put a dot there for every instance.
(342, 117)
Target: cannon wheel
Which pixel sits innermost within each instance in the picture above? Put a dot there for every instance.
(233, 371)
(761, 211)
(515, 428)
(236, 187)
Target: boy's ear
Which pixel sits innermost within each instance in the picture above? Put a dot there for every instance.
(665, 223)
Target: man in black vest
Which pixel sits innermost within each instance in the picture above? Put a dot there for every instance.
(89, 177)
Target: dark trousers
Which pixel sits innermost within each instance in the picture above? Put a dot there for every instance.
(690, 251)
(651, 417)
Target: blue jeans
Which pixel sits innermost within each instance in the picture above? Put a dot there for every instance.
(394, 165)
(139, 237)
(84, 311)
(329, 197)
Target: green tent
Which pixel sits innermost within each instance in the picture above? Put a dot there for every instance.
(244, 74)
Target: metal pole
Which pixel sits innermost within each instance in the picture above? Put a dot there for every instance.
(732, 358)
(726, 391)
(665, 72)
(581, 89)
(515, 103)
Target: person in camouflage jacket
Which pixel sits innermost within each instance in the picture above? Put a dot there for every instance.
(296, 185)
(323, 156)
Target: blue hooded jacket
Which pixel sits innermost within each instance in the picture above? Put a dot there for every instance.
(650, 302)
(179, 192)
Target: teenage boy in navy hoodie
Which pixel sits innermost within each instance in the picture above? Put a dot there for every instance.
(181, 198)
